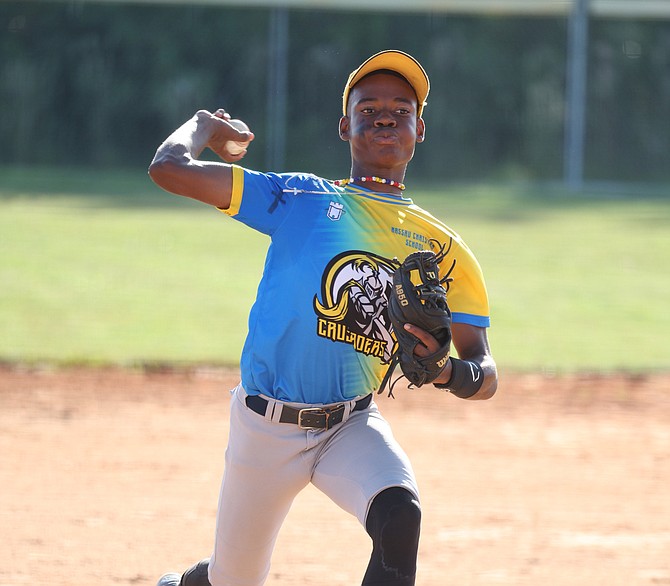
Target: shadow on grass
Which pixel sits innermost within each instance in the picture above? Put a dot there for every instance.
(500, 202)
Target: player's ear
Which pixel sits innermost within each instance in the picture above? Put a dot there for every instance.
(420, 130)
(345, 128)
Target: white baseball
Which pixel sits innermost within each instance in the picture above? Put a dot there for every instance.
(236, 147)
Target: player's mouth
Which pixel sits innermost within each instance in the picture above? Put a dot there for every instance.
(385, 138)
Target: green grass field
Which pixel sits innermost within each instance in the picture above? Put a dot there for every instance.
(106, 268)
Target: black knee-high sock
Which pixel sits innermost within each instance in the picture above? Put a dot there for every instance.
(196, 575)
(393, 523)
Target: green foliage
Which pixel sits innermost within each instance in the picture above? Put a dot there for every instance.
(104, 83)
(105, 267)
(628, 134)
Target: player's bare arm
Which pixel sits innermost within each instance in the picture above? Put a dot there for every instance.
(176, 166)
(472, 344)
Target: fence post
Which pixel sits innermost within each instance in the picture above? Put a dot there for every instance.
(575, 113)
(275, 153)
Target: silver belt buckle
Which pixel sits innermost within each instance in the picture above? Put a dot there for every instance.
(313, 411)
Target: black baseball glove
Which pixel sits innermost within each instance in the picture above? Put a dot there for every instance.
(419, 297)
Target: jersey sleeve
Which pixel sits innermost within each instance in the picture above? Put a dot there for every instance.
(467, 295)
(263, 200)
(466, 291)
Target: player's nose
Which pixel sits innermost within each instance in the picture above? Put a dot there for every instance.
(384, 118)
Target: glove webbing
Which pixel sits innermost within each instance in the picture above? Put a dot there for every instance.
(394, 360)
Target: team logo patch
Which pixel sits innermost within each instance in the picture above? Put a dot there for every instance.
(353, 306)
(335, 211)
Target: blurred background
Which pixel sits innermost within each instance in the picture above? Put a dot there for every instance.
(548, 150)
(101, 83)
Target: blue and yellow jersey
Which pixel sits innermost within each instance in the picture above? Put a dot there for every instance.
(319, 330)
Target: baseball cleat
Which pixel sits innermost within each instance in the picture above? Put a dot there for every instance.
(171, 579)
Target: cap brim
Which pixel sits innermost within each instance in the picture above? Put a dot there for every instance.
(399, 62)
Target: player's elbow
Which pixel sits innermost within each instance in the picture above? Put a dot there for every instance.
(166, 170)
(490, 385)
(488, 390)
(163, 169)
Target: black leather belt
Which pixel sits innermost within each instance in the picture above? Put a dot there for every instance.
(310, 417)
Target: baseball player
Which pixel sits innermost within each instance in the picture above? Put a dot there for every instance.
(319, 337)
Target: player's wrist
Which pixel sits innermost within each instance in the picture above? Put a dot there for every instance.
(466, 378)
(444, 376)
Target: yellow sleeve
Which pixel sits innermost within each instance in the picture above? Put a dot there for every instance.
(236, 195)
(467, 293)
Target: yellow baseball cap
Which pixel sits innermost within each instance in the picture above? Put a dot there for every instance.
(399, 62)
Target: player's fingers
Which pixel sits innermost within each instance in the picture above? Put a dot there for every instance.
(428, 344)
(236, 129)
(221, 113)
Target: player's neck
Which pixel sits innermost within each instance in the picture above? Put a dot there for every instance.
(385, 185)
(383, 180)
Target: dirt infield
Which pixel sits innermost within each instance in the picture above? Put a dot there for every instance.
(111, 477)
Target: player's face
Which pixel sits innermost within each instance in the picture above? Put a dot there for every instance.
(382, 125)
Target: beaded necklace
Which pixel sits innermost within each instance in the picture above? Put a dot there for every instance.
(391, 182)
